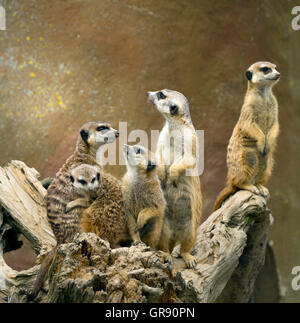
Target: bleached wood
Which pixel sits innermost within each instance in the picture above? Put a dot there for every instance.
(102, 274)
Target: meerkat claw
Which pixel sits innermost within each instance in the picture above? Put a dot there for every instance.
(190, 261)
(263, 191)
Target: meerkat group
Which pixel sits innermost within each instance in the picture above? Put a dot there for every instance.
(159, 200)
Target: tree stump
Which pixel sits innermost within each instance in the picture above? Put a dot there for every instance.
(230, 251)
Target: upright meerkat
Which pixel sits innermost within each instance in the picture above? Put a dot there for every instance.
(143, 197)
(252, 144)
(176, 158)
(86, 178)
(91, 137)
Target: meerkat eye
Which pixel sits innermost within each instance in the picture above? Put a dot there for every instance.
(82, 182)
(101, 128)
(173, 109)
(265, 70)
(160, 96)
(72, 179)
(93, 180)
(98, 177)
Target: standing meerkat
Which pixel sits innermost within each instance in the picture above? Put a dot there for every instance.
(176, 158)
(86, 178)
(252, 144)
(143, 197)
(91, 137)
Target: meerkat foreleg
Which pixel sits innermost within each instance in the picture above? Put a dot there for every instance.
(132, 226)
(145, 217)
(185, 248)
(181, 165)
(160, 165)
(242, 171)
(81, 202)
(252, 130)
(272, 137)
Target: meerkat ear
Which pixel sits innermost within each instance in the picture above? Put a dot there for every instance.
(72, 179)
(84, 135)
(249, 75)
(150, 166)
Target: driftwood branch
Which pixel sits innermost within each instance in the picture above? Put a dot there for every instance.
(230, 251)
(23, 210)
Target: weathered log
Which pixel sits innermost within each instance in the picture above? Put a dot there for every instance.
(23, 211)
(230, 251)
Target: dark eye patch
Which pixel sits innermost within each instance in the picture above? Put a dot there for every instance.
(82, 181)
(138, 151)
(173, 109)
(160, 96)
(150, 166)
(98, 176)
(101, 128)
(93, 180)
(265, 69)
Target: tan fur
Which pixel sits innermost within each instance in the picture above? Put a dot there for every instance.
(182, 191)
(143, 196)
(252, 144)
(106, 215)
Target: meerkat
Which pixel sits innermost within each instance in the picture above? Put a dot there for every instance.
(92, 136)
(106, 215)
(176, 159)
(143, 197)
(253, 141)
(86, 178)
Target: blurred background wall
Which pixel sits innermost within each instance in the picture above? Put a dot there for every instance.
(63, 63)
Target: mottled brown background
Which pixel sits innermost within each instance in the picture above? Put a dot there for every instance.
(63, 63)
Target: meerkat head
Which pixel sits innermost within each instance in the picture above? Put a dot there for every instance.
(173, 105)
(139, 158)
(86, 177)
(98, 133)
(262, 74)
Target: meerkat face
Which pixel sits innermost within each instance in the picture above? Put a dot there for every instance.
(96, 134)
(172, 104)
(139, 157)
(86, 177)
(263, 74)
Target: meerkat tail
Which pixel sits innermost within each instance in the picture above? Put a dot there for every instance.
(42, 273)
(226, 192)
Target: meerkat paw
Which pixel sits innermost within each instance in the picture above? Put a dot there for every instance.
(252, 188)
(189, 260)
(137, 243)
(263, 191)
